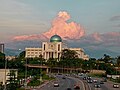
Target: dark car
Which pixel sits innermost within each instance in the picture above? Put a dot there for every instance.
(76, 86)
(88, 78)
(68, 89)
(97, 85)
(63, 77)
(101, 82)
(105, 80)
(89, 81)
(84, 78)
(116, 85)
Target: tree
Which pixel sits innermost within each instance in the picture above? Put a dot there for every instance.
(69, 54)
(118, 61)
(2, 56)
(2, 60)
(52, 63)
(22, 55)
(107, 58)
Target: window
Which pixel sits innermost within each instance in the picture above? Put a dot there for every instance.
(58, 47)
(44, 46)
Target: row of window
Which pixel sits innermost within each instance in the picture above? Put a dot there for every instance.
(32, 55)
(33, 52)
(52, 47)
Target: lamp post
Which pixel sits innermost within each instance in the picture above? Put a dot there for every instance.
(40, 61)
(25, 73)
(5, 74)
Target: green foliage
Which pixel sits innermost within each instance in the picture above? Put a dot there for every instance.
(21, 55)
(2, 56)
(69, 54)
(118, 61)
(34, 82)
(2, 60)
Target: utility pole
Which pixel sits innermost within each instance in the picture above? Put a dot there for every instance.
(5, 74)
(25, 73)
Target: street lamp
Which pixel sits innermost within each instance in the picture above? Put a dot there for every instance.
(25, 73)
(40, 62)
(5, 74)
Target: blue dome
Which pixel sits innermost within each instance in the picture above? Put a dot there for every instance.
(55, 38)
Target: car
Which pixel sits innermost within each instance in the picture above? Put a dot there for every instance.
(95, 81)
(89, 81)
(84, 78)
(63, 77)
(101, 82)
(116, 85)
(59, 73)
(105, 80)
(68, 89)
(56, 84)
(97, 85)
(88, 78)
(76, 86)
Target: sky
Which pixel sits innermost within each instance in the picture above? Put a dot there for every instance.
(97, 18)
(19, 17)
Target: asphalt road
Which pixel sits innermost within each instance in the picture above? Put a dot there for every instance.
(63, 84)
(106, 86)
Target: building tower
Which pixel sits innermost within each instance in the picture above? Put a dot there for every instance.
(1, 47)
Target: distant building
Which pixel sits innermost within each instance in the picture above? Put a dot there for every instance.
(5, 75)
(53, 49)
(2, 48)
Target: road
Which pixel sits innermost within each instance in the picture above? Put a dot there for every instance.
(72, 80)
(106, 86)
(63, 84)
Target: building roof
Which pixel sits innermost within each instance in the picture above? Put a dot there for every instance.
(55, 38)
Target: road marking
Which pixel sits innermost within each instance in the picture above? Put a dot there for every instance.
(89, 87)
(79, 81)
(82, 84)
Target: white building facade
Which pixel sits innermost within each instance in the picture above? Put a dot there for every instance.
(53, 49)
(5, 75)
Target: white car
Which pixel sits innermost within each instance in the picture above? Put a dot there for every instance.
(115, 85)
(97, 85)
(95, 81)
(56, 85)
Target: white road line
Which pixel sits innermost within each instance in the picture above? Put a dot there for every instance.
(82, 84)
(89, 87)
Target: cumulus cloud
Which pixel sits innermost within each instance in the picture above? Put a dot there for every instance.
(65, 29)
(61, 27)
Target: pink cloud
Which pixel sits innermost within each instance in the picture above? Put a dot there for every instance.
(97, 36)
(30, 37)
(61, 27)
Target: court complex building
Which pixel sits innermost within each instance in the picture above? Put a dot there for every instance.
(53, 49)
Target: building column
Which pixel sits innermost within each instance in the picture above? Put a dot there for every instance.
(48, 55)
(54, 55)
(47, 70)
(45, 55)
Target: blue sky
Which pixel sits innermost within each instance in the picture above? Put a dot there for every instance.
(21, 17)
